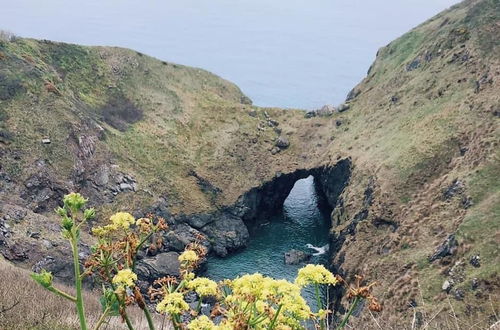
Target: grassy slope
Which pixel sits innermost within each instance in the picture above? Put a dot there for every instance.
(188, 119)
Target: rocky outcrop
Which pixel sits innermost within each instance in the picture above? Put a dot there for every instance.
(295, 257)
(161, 265)
(282, 142)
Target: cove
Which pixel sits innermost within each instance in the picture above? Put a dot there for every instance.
(300, 222)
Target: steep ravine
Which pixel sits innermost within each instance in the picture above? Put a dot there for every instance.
(409, 167)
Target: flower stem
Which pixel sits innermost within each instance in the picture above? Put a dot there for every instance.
(127, 321)
(275, 318)
(318, 301)
(349, 313)
(78, 282)
(198, 307)
(148, 318)
(102, 318)
(62, 294)
(124, 315)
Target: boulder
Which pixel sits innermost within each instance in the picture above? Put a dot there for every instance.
(126, 187)
(353, 94)
(310, 114)
(181, 236)
(275, 150)
(326, 111)
(448, 247)
(447, 285)
(227, 234)
(272, 123)
(343, 107)
(101, 177)
(199, 220)
(61, 267)
(415, 64)
(161, 265)
(295, 257)
(475, 261)
(282, 142)
(455, 188)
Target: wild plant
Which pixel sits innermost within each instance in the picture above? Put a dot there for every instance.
(251, 301)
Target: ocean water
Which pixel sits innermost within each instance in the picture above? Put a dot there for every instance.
(286, 53)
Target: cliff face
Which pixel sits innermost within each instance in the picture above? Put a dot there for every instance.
(410, 169)
(423, 201)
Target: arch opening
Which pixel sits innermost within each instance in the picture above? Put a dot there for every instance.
(290, 212)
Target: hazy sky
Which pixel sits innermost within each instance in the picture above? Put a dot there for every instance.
(292, 53)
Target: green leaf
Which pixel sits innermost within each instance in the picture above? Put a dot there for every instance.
(89, 214)
(44, 278)
(67, 223)
(108, 299)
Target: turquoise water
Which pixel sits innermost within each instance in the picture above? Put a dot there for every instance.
(301, 223)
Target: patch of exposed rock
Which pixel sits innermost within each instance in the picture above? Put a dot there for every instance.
(295, 257)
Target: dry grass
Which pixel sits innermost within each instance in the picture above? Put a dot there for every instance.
(26, 305)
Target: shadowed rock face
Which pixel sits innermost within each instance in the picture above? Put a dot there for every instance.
(268, 199)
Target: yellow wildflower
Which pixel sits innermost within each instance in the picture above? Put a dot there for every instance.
(203, 286)
(201, 323)
(322, 314)
(122, 219)
(188, 276)
(125, 277)
(224, 325)
(267, 293)
(103, 231)
(188, 256)
(173, 303)
(314, 274)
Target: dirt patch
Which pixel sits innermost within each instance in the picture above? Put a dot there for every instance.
(120, 112)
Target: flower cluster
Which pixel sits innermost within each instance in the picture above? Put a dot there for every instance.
(192, 256)
(315, 274)
(172, 303)
(188, 256)
(74, 201)
(277, 301)
(203, 286)
(125, 277)
(122, 220)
